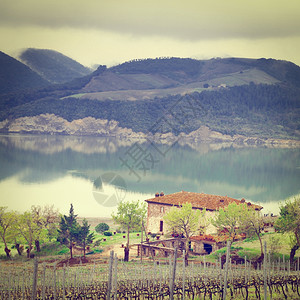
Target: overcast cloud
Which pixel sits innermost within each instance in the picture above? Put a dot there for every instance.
(96, 28)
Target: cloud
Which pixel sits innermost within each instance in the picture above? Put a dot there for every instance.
(112, 31)
(191, 19)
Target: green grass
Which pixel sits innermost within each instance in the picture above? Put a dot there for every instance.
(250, 247)
(53, 248)
(118, 238)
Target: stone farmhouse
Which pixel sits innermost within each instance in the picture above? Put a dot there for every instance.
(161, 204)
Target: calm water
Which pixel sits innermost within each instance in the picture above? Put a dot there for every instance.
(94, 173)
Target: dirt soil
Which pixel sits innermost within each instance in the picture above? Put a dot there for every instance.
(90, 259)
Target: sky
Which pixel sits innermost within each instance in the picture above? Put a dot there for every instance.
(113, 31)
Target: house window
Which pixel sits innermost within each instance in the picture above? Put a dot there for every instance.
(162, 209)
(161, 226)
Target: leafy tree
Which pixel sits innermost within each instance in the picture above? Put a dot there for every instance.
(37, 218)
(51, 219)
(130, 216)
(229, 218)
(101, 227)
(69, 230)
(46, 218)
(252, 224)
(85, 236)
(187, 221)
(28, 228)
(289, 222)
(14, 235)
(6, 221)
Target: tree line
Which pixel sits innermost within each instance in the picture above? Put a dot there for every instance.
(42, 224)
(236, 110)
(46, 224)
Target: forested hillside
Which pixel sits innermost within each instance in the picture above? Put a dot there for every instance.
(52, 65)
(15, 76)
(230, 96)
(254, 110)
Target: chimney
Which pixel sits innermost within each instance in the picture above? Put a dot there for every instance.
(162, 194)
(156, 194)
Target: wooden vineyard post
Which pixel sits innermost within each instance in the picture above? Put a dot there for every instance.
(54, 281)
(245, 264)
(283, 263)
(64, 281)
(183, 275)
(111, 259)
(265, 271)
(23, 284)
(173, 275)
(141, 249)
(115, 279)
(34, 283)
(44, 281)
(226, 270)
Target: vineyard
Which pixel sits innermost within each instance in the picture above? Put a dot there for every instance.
(169, 279)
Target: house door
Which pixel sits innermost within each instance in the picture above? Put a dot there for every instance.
(207, 248)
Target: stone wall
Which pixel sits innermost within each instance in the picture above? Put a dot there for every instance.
(198, 246)
(155, 215)
(156, 212)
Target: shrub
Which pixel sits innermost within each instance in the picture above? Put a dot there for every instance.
(107, 233)
(97, 243)
(250, 239)
(101, 227)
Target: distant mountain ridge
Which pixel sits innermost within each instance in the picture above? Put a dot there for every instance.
(171, 76)
(52, 65)
(15, 76)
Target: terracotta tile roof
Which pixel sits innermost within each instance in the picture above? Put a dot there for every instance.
(205, 237)
(199, 200)
(211, 238)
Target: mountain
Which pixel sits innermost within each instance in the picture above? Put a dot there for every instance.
(233, 96)
(52, 65)
(15, 76)
(150, 78)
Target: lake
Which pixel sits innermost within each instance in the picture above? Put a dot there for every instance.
(96, 173)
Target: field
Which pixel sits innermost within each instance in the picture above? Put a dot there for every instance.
(233, 79)
(58, 277)
(147, 280)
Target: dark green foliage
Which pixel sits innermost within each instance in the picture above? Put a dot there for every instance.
(107, 233)
(251, 110)
(69, 230)
(101, 227)
(160, 65)
(97, 243)
(52, 65)
(85, 236)
(15, 76)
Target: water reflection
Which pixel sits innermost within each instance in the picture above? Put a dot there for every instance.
(59, 169)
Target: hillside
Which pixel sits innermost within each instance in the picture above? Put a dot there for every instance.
(52, 65)
(175, 75)
(16, 76)
(253, 98)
